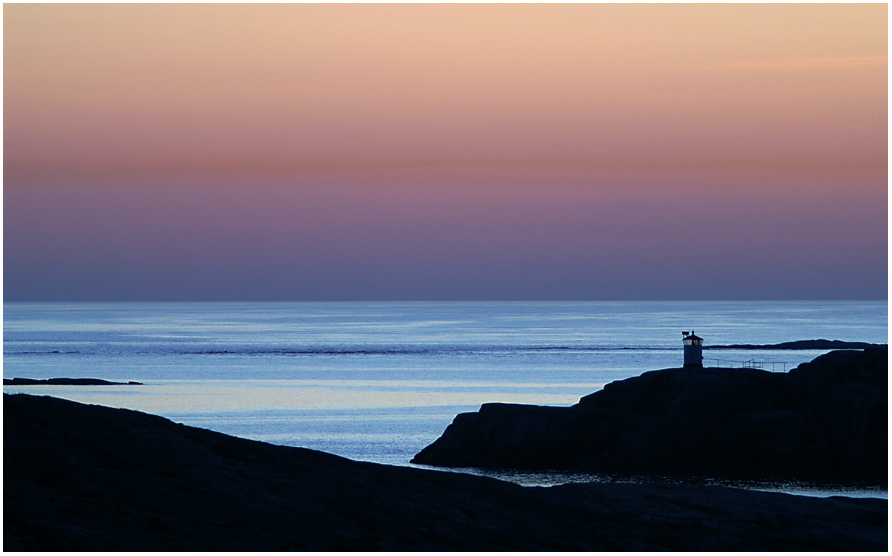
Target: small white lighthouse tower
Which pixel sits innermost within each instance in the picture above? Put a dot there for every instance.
(693, 350)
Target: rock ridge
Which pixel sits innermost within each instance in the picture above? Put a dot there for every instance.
(824, 421)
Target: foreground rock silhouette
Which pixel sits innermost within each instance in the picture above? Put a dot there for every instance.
(823, 421)
(79, 477)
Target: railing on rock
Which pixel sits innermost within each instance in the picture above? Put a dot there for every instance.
(773, 366)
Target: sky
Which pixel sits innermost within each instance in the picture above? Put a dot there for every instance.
(445, 151)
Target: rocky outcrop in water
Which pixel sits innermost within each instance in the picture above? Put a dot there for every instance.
(823, 421)
(92, 478)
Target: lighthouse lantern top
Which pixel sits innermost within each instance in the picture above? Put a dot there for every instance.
(690, 339)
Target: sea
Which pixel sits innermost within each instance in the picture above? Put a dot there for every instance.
(379, 381)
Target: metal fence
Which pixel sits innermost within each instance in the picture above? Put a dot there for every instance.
(773, 366)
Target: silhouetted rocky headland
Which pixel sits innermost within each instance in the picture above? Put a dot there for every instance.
(823, 421)
(79, 478)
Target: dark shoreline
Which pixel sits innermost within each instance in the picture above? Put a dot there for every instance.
(84, 477)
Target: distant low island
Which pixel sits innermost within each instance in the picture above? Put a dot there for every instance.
(801, 344)
(65, 382)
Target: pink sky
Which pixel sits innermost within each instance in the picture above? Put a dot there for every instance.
(317, 151)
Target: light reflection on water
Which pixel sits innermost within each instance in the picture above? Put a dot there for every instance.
(555, 478)
(258, 396)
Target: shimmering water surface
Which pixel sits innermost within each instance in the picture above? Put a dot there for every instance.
(379, 381)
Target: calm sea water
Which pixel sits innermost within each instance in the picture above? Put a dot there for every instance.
(379, 381)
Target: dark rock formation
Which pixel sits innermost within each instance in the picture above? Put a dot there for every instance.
(802, 344)
(823, 421)
(63, 382)
(92, 478)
